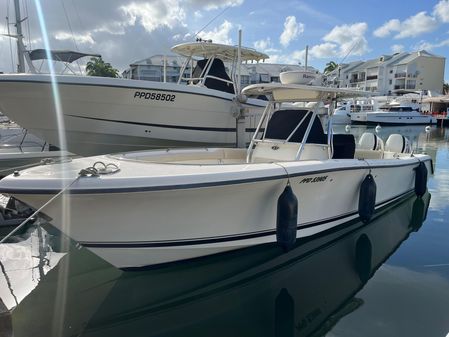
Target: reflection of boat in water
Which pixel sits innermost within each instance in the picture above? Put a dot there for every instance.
(259, 291)
(46, 281)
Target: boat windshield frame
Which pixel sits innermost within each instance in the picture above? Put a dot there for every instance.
(201, 80)
(211, 51)
(270, 108)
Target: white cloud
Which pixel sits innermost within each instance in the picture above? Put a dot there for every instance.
(198, 15)
(219, 34)
(441, 11)
(348, 38)
(397, 48)
(416, 25)
(292, 30)
(114, 28)
(263, 44)
(323, 50)
(413, 26)
(154, 15)
(86, 38)
(339, 42)
(393, 25)
(214, 4)
(429, 46)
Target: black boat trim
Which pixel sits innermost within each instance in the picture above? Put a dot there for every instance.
(167, 126)
(85, 191)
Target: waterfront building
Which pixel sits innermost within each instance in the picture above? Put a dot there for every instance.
(152, 69)
(394, 74)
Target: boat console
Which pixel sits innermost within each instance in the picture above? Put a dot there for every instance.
(214, 72)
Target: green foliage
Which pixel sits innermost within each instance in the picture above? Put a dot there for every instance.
(446, 88)
(330, 66)
(97, 67)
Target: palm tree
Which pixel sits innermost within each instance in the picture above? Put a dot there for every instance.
(330, 66)
(97, 67)
(446, 88)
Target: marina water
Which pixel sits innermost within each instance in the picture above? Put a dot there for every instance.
(389, 277)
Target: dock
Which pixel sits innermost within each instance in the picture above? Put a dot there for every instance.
(442, 120)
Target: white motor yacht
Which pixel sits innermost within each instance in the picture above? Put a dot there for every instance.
(104, 115)
(393, 114)
(343, 113)
(150, 207)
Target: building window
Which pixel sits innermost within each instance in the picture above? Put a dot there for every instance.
(390, 82)
(411, 84)
(244, 79)
(391, 71)
(264, 78)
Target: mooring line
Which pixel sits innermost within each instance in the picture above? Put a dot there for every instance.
(38, 210)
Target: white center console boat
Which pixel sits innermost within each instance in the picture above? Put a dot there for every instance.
(144, 208)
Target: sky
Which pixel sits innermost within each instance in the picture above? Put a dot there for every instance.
(124, 31)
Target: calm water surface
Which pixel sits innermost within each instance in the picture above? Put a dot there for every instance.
(387, 278)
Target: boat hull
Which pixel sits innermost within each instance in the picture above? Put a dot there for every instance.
(103, 115)
(392, 118)
(141, 225)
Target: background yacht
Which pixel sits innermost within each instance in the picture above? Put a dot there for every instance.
(105, 115)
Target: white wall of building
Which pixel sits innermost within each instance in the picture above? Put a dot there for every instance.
(390, 74)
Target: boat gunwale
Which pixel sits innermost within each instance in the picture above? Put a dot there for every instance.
(155, 188)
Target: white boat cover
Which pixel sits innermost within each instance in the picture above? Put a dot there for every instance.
(300, 92)
(225, 52)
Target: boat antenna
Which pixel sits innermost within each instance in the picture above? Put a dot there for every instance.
(28, 25)
(212, 20)
(71, 31)
(9, 34)
(356, 42)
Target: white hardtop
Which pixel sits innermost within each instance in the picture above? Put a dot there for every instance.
(300, 92)
(224, 52)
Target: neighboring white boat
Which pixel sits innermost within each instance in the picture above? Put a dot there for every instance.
(150, 207)
(20, 149)
(393, 114)
(342, 114)
(104, 115)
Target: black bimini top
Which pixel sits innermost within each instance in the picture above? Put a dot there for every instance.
(58, 55)
(217, 69)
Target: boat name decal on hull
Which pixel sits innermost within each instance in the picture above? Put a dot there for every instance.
(313, 180)
(155, 96)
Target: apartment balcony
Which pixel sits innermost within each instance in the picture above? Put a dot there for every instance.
(357, 80)
(399, 86)
(400, 75)
(410, 86)
(372, 77)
